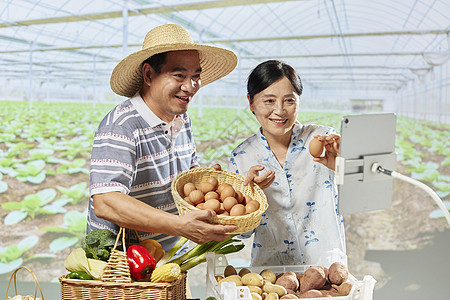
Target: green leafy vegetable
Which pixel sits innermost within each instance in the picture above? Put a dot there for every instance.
(98, 244)
(197, 255)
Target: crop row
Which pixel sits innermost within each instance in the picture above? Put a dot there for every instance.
(42, 143)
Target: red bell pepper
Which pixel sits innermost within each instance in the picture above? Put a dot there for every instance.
(140, 261)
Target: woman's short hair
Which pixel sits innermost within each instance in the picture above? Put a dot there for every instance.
(268, 72)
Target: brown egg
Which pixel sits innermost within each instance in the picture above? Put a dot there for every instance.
(196, 197)
(200, 205)
(237, 210)
(221, 209)
(316, 147)
(206, 187)
(227, 192)
(212, 204)
(212, 195)
(229, 202)
(222, 186)
(246, 200)
(214, 182)
(239, 196)
(225, 213)
(187, 200)
(188, 188)
(251, 206)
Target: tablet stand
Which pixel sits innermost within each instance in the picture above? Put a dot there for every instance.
(373, 168)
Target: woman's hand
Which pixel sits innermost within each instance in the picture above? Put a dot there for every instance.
(264, 180)
(331, 143)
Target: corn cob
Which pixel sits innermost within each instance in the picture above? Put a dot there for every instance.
(166, 273)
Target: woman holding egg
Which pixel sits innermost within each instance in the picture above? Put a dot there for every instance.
(301, 222)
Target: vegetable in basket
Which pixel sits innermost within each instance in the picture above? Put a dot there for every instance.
(79, 275)
(77, 261)
(140, 261)
(166, 273)
(197, 255)
(98, 244)
(153, 247)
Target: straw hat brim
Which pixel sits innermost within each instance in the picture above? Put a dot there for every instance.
(126, 78)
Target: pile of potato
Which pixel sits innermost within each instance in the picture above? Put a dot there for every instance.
(315, 282)
(222, 198)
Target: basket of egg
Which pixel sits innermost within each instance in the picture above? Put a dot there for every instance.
(223, 192)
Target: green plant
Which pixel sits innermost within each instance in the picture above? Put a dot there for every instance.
(31, 206)
(74, 226)
(76, 193)
(3, 185)
(10, 256)
(71, 167)
(32, 171)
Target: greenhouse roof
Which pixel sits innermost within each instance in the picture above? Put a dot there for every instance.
(357, 44)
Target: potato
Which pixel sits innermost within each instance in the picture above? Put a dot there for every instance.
(272, 296)
(330, 293)
(344, 288)
(268, 275)
(229, 270)
(254, 289)
(232, 278)
(256, 296)
(289, 281)
(299, 276)
(326, 271)
(337, 273)
(274, 288)
(313, 279)
(289, 296)
(311, 294)
(244, 271)
(253, 279)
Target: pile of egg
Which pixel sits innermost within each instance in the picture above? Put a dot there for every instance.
(222, 198)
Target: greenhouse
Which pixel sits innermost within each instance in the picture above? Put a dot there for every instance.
(353, 58)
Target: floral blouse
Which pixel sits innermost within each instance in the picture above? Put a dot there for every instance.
(302, 221)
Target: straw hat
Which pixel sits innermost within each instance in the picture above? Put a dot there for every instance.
(126, 78)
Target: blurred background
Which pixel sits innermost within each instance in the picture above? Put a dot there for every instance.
(353, 56)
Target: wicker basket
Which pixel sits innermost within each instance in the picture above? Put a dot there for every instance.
(116, 282)
(244, 223)
(36, 282)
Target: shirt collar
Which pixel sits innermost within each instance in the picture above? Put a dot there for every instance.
(146, 113)
(153, 120)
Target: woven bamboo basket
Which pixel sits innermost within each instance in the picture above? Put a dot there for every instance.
(244, 223)
(36, 283)
(116, 283)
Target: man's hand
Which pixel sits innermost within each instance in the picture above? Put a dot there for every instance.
(264, 180)
(198, 229)
(331, 143)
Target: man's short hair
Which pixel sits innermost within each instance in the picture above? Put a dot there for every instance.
(156, 61)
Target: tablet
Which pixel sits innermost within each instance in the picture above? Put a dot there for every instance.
(366, 139)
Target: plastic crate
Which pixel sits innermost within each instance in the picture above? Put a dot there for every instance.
(216, 263)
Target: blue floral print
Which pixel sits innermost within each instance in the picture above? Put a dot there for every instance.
(302, 220)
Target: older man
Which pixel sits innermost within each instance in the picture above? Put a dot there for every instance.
(145, 141)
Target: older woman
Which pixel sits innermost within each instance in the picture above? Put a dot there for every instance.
(301, 222)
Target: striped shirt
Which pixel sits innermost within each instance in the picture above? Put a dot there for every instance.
(136, 153)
